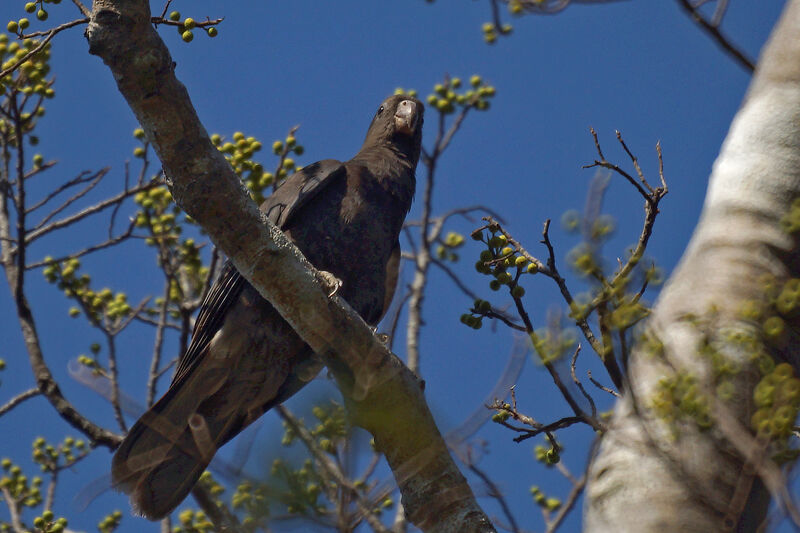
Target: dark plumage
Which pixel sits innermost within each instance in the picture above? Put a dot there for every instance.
(244, 358)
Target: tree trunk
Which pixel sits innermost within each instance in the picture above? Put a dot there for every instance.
(682, 453)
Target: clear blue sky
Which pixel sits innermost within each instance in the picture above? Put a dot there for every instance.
(640, 67)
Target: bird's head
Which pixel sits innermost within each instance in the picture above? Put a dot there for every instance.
(398, 124)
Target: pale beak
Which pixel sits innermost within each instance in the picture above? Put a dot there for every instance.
(405, 118)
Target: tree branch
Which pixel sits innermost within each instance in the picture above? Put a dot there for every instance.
(380, 392)
(712, 29)
(18, 399)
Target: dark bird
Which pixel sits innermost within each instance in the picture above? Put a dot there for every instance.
(244, 358)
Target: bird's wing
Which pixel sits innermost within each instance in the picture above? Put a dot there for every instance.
(222, 295)
(279, 207)
(392, 273)
(299, 188)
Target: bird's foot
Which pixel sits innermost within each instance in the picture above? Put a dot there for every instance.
(383, 337)
(331, 282)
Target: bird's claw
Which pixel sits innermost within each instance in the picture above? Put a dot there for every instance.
(329, 281)
(383, 337)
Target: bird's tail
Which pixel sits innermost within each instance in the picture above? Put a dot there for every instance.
(167, 450)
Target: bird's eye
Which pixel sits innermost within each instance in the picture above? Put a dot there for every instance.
(380, 110)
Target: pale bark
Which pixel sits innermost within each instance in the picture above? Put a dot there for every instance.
(381, 394)
(648, 477)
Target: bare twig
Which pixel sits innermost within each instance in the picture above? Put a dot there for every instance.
(45, 381)
(147, 320)
(578, 382)
(212, 274)
(82, 8)
(566, 507)
(96, 208)
(49, 35)
(395, 321)
(601, 386)
(155, 363)
(166, 8)
(119, 325)
(13, 509)
(18, 399)
(604, 163)
(719, 12)
(50, 496)
(114, 378)
(494, 492)
(712, 29)
(89, 249)
(561, 423)
(635, 162)
(83, 177)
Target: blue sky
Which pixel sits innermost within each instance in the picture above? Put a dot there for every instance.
(639, 67)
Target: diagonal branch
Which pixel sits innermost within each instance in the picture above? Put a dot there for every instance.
(381, 394)
(712, 28)
(49, 35)
(18, 399)
(89, 249)
(91, 210)
(92, 180)
(83, 177)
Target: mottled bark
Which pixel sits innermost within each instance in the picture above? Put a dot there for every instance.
(655, 475)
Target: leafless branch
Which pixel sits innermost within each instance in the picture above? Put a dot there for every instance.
(578, 382)
(712, 29)
(89, 249)
(82, 8)
(395, 321)
(125, 321)
(494, 492)
(13, 510)
(18, 399)
(83, 177)
(604, 163)
(601, 386)
(566, 507)
(96, 208)
(147, 320)
(212, 274)
(562, 423)
(49, 35)
(46, 383)
(155, 363)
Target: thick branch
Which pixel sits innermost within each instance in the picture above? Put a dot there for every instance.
(381, 393)
(711, 480)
